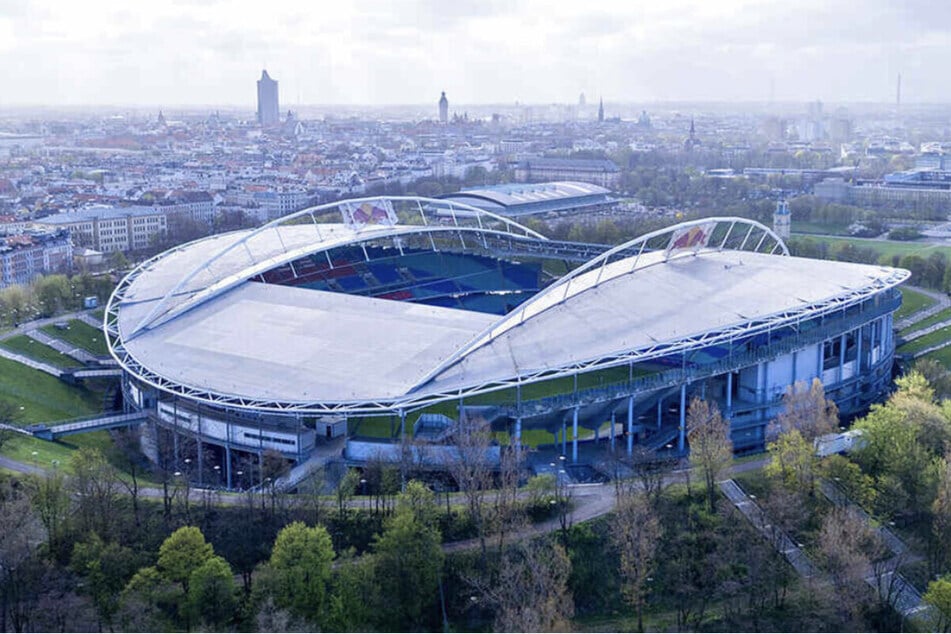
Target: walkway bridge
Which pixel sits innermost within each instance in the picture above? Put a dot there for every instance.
(110, 420)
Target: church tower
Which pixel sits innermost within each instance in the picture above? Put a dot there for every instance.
(781, 219)
(443, 109)
(601, 110)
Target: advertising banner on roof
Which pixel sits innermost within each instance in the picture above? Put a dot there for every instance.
(373, 212)
(690, 238)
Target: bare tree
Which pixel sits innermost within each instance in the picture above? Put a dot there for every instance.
(509, 514)
(843, 542)
(20, 532)
(471, 467)
(530, 592)
(806, 408)
(635, 531)
(711, 449)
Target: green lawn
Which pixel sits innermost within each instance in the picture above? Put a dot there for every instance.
(809, 228)
(81, 335)
(21, 344)
(42, 397)
(887, 248)
(938, 317)
(21, 448)
(942, 356)
(931, 339)
(376, 427)
(911, 302)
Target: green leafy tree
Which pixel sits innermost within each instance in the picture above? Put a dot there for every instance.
(408, 563)
(300, 569)
(938, 596)
(793, 461)
(183, 552)
(107, 568)
(211, 593)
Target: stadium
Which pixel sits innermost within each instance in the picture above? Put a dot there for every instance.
(354, 324)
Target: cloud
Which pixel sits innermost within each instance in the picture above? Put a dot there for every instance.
(481, 51)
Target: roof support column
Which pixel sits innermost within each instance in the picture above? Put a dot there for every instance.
(859, 366)
(660, 410)
(842, 342)
(612, 430)
(564, 438)
(630, 424)
(228, 462)
(729, 394)
(574, 435)
(682, 439)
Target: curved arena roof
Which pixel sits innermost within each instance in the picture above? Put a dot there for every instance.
(519, 199)
(191, 321)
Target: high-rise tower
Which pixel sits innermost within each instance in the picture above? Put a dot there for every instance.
(443, 109)
(601, 110)
(268, 108)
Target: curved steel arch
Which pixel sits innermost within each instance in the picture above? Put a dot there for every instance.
(511, 228)
(548, 298)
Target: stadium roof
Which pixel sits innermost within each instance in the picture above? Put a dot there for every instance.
(517, 199)
(275, 347)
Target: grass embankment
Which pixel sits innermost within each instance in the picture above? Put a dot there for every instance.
(912, 302)
(931, 339)
(80, 334)
(38, 397)
(23, 345)
(937, 318)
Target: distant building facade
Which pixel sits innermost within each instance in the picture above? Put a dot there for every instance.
(268, 107)
(601, 172)
(26, 255)
(110, 229)
(906, 189)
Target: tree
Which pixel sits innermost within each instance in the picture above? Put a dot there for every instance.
(407, 566)
(793, 461)
(711, 450)
(300, 567)
(941, 522)
(843, 540)
(147, 603)
(107, 568)
(531, 592)
(52, 505)
(183, 552)
(635, 531)
(211, 592)
(354, 595)
(20, 533)
(938, 595)
(806, 408)
(471, 468)
(96, 484)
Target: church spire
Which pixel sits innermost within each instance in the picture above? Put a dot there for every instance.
(601, 110)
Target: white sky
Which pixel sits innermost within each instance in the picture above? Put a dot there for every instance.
(180, 52)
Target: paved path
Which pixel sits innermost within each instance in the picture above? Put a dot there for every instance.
(776, 536)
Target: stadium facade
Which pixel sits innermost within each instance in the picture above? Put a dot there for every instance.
(413, 313)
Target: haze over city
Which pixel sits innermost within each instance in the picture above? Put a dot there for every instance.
(108, 52)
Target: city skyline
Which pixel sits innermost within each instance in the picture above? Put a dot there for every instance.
(374, 53)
